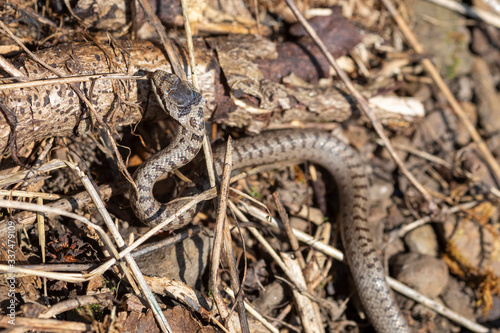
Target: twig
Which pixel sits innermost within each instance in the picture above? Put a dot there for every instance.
(167, 43)
(195, 300)
(104, 299)
(231, 261)
(44, 209)
(75, 278)
(439, 308)
(429, 67)
(41, 240)
(432, 158)
(396, 285)
(48, 325)
(319, 264)
(219, 236)
(177, 238)
(424, 155)
(256, 314)
(7, 66)
(73, 15)
(207, 148)
(70, 79)
(155, 307)
(80, 94)
(288, 229)
(30, 194)
(39, 17)
(189, 39)
(426, 219)
(309, 317)
(59, 267)
(77, 201)
(362, 103)
(89, 186)
(233, 273)
(475, 13)
(281, 319)
(290, 275)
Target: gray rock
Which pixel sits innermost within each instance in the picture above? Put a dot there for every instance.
(445, 37)
(423, 240)
(426, 274)
(184, 261)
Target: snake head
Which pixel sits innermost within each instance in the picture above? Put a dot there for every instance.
(179, 98)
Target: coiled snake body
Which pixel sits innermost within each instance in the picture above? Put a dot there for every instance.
(185, 104)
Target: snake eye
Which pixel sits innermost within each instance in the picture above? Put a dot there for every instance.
(184, 95)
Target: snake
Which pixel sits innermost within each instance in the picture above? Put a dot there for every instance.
(185, 104)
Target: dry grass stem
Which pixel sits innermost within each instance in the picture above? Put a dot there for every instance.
(219, 237)
(7, 66)
(89, 186)
(308, 313)
(394, 284)
(431, 69)
(475, 13)
(362, 103)
(256, 314)
(47, 325)
(172, 240)
(207, 148)
(167, 43)
(288, 229)
(29, 194)
(70, 79)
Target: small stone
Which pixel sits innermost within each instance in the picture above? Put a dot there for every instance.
(428, 275)
(448, 43)
(423, 240)
(455, 296)
(185, 261)
(381, 191)
(270, 299)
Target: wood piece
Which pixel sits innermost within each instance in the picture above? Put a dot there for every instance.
(54, 109)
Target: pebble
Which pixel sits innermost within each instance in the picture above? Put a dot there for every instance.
(428, 275)
(185, 261)
(423, 240)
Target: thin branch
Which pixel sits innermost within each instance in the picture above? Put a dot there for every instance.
(7, 66)
(155, 307)
(393, 283)
(80, 94)
(219, 235)
(434, 74)
(475, 13)
(294, 244)
(363, 104)
(207, 148)
(256, 314)
(104, 299)
(167, 43)
(69, 79)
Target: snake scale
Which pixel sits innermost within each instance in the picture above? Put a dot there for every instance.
(185, 104)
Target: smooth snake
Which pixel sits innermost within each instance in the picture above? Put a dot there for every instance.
(185, 104)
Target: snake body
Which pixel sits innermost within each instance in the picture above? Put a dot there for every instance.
(339, 159)
(184, 103)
